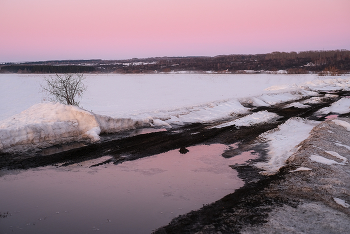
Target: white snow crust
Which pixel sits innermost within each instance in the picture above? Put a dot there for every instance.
(252, 119)
(329, 84)
(209, 113)
(341, 202)
(47, 124)
(342, 123)
(302, 169)
(283, 143)
(323, 160)
(297, 105)
(345, 146)
(335, 154)
(341, 106)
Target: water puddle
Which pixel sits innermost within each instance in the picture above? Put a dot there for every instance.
(132, 197)
(331, 117)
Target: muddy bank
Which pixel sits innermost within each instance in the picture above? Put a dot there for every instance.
(309, 195)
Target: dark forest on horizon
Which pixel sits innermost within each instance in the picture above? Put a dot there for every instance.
(329, 62)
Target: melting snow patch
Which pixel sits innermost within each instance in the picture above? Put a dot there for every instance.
(273, 99)
(328, 84)
(161, 123)
(313, 100)
(252, 119)
(341, 202)
(297, 105)
(323, 160)
(283, 142)
(342, 123)
(345, 146)
(302, 169)
(209, 113)
(258, 102)
(341, 106)
(335, 154)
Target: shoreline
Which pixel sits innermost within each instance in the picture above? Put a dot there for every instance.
(312, 201)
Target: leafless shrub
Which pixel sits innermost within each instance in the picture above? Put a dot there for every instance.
(65, 88)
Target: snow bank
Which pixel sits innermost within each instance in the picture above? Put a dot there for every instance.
(108, 124)
(342, 83)
(252, 119)
(47, 124)
(283, 142)
(341, 106)
(209, 113)
(290, 93)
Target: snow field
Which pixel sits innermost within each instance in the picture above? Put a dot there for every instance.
(122, 102)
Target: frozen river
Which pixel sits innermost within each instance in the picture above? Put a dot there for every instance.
(131, 95)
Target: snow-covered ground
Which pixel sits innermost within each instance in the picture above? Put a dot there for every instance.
(114, 103)
(129, 95)
(283, 142)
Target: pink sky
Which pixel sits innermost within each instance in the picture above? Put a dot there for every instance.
(33, 30)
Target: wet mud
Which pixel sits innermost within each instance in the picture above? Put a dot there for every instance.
(248, 206)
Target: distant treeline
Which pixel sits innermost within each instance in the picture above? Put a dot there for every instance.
(335, 61)
(331, 61)
(46, 69)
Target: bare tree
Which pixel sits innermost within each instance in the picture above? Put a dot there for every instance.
(65, 88)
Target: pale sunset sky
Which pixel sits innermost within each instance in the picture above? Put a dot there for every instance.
(37, 30)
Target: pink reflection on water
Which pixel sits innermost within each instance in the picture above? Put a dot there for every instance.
(331, 117)
(133, 197)
(245, 156)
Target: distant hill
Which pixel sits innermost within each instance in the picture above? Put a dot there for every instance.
(322, 62)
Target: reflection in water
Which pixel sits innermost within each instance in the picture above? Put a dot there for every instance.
(331, 117)
(133, 197)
